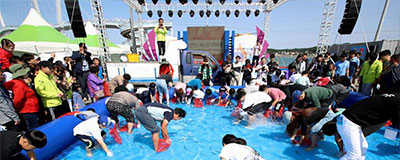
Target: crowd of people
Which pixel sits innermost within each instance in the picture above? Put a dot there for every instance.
(306, 97)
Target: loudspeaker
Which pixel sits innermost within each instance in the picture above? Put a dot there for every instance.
(75, 17)
(350, 16)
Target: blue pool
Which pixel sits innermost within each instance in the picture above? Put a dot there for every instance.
(199, 136)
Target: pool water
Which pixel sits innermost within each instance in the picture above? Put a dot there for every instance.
(199, 136)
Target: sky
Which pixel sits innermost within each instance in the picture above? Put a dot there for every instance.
(295, 24)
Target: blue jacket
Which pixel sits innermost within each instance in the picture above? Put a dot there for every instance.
(78, 57)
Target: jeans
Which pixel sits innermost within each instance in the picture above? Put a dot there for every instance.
(366, 89)
(355, 144)
(162, 88)
(31, 120)
(82, 79)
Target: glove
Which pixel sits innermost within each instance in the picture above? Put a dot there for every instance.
(110, 154)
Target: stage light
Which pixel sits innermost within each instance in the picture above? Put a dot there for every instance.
(159, 13)
(168, 2)
(208, 13)
(222, 1)
(195, 1)
(141, 2)
(209, 2)
(263, 1)
(248, 12)
(249, 1)
(201, 13)
(275, 1)
(183, 1)
(257, 12)
(155, 1)
(150, 13)
(180, 13)
(236, 1)
(227, 13)
(237, 12)
(170, 13)
(216, 13)
(191, 13)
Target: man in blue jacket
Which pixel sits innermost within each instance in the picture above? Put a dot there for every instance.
(82, 64)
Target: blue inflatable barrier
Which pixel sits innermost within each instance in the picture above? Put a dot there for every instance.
(354, 97)
(59, 132)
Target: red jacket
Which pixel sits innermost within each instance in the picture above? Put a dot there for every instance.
(25, 100)
(165, 68)
(5, 58)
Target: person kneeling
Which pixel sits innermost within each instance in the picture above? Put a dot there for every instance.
(152, 112)
(92, 127)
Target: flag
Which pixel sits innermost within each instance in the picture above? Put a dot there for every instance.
(152, 39)
(264, 49)
(147, 55)
(260, 35)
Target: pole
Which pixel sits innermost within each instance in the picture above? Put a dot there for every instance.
(36, 6)
(2, 21)
(58, 10)
(378, 31)
(134, 50)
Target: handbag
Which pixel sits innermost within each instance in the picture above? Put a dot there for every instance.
(98, 94)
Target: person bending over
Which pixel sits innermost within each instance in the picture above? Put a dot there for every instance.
(149, 113)
(235, 148)
(92, 127)
(12, 143)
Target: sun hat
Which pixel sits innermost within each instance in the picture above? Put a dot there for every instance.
(106, 121)
(164, 61)
(287, 115)
(296, 95)
(18, 70)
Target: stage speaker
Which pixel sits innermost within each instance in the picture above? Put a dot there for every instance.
(75, 17)
(350, 16)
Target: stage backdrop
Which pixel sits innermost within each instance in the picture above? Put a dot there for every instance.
(209, 39)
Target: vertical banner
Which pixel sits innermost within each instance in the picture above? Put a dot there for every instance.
(260, 35)
(360, 49)
(147, 55)
(264, 49)
(152, 39)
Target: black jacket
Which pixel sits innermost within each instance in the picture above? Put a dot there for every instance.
(78, 57)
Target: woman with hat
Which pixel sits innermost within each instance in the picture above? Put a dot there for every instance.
(166, 67)
(25, 102)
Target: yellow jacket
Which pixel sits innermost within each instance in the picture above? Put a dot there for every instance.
(160, 33)
(47, 89)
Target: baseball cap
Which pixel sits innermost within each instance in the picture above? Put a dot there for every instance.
(287, 115)
(106, 121)
(45, 64)
(296, 95)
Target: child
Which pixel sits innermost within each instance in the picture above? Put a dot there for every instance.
(89, 113)
(303, 80)
(231, 98)
(12, 143)
(223, 96)
(77, 97)
(283, 81)
(179, 92)
(93, 128)
(210, 96)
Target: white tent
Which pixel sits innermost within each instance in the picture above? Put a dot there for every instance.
(35, 35)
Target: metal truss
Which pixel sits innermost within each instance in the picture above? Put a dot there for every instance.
(99, 23)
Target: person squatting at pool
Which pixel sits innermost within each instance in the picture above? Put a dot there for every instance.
(149, 113)
(236, 149)
(122, 103)
(92, 127)
(12, 143)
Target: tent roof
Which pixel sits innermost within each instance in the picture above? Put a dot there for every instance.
(36, 29)
(92, 37)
